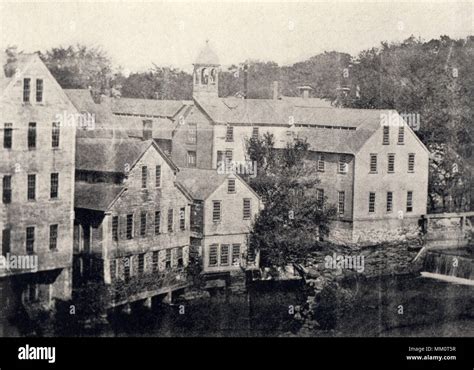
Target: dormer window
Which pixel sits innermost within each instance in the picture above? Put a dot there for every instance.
(39, 90)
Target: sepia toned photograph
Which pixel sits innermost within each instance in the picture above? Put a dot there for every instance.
(236, 169)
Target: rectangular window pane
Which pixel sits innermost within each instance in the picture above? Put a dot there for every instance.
(170, 220)
(168, 259)
(130, 226)
(386, 135)
(31, 187)
(55, 132)
(371, 202)
(191, 159)
(7, 189)
(373, 163)
(53, 237)
(389, 201)
(141, 264)
(321, 163)
(26, 90)
(343, 164)
(411, 162)
(54, 191)
(401, 135)
(144, 176)
(320, 198)
(113, 270)
(30, 240)
(391, 163)
(192, 133)
(224, 254)
(229, 136)
(158, 176)
(255, 133)
(341, 202)
(127, 263)
(179, 257)
(182, 218)
(115, 227)
(8, 136)
(143, 224)
(231, 186)
(247, 209)
(216, 211)
(228, 155)
(235, 254)
(39, 90)
(6, 237)
(213, 255)
(409, 201)
(32, 135)
(155, 260)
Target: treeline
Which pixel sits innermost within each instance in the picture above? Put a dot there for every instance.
(431, 81)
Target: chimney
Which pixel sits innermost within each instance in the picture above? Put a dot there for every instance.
(276, 90)
(246, 81)
(147, 129)
(305, 91)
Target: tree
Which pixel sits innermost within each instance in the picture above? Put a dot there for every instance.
(292, 221)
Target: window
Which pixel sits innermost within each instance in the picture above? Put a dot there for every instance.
(213, 255)
(39, 90)
(321, 163)
(235, 254)
(168, 259)
(391, 163)
(247, 212)
(31, 187)
(8, 136)
(409, 201)
(386, 135)
(371, 202)
(32, 292)
(401, 135)
(154, 260)
(389, 201)
(182, 218)
(228, 155)
(144, 176)
(53, 237)
(157, 222)
(130, 226)
(127, 263)
(411, 162)
(7, 189)
(141, 264)
(170, 220)
(113, 270)
(192, 134)
(216, 211)
(224, 254)
(191, 158)
(231, 185)
(341, 199)
(320, 197)
(26, 90)
(54, 190)
(255, 133)
(55, 131)
(158, 177)
(373, 163)
(220, 157)
(342, 164)
(30, 240)
(179, 257)
(229, 135)
(115, 227)
(32, 135)
(6, 237)
(143, 224)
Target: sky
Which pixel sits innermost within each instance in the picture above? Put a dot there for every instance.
(137, 34)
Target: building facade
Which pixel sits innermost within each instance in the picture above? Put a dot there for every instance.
(37, 136)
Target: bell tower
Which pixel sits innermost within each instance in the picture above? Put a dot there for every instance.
(206, 74)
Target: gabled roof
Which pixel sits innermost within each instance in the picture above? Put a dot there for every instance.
(200, 183)
(147, 107)
(97, 196)
(113, 155)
